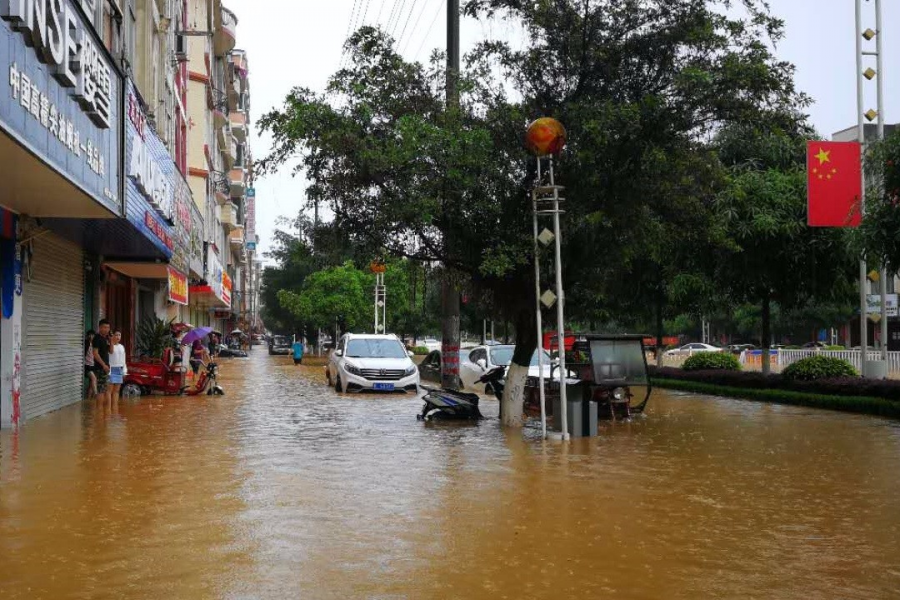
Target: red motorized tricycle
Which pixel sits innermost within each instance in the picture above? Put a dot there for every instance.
(167, 376)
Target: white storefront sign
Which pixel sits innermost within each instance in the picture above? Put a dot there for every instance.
(873, 304)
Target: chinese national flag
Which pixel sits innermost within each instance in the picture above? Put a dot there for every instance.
(834, 184)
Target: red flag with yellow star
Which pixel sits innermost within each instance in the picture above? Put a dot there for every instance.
(834, 184)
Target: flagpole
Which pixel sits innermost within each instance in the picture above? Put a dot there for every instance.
(880, 91)
(861, 132)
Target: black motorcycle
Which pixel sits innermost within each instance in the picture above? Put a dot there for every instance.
(452, 405)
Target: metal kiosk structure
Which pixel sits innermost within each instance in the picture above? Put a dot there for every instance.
(609, 372)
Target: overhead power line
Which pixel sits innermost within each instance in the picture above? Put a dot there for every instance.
(412, 9)
(347, 34)
(415, 26)
(430, 27)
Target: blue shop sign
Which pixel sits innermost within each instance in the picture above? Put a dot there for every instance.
(60, 94)
(149, 185)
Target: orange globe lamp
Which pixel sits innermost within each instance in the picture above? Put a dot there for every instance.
(545, 136)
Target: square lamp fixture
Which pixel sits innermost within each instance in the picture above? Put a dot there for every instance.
(871, 114)
(870, 73)
(546, 237)
(868, 34)
(548, 299)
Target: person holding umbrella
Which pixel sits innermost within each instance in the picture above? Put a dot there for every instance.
(199, 353)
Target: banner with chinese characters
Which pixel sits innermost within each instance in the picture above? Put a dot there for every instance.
(62, 103)
(149, 182)
(226, 288)
(250, 214)
(178, 287)
(215, 276)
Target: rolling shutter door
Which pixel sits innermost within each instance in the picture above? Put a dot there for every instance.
(52, 353)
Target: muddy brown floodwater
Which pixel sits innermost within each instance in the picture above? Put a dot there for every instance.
(284, 489)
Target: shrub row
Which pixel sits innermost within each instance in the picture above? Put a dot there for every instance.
(704, 361)
(815, 368)
(420, 350)
(887, 389)
(856, 404)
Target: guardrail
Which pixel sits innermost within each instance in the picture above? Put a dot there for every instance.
(786, 357)
(781, 358)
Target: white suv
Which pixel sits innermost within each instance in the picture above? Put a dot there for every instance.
(371, 362)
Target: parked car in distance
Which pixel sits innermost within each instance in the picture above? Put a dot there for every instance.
(431, 343)
(371, 362)
(226, 352)
(430, 368)
(693, 348)
(482, 359)
(279, 344)
(814, 346)
(738, 348)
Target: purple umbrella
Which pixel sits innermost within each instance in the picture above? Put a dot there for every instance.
(196, 334)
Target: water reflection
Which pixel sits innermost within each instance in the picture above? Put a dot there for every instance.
(284, 489)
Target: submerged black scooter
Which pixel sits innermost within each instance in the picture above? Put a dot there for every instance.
(452, 405)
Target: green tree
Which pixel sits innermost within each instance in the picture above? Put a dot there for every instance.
(640, 86)
(772, 255)
(335, 296)
(879, 234)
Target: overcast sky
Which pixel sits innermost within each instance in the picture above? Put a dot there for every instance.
(299, 43)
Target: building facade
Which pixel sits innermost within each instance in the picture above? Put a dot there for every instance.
(118, 201)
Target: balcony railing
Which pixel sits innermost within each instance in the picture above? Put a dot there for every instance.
(239, 126)
(220, 107)
(225, 35)
(229, 216)
(238, 181)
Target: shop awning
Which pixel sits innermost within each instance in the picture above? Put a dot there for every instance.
(205, 297)
(140, 270)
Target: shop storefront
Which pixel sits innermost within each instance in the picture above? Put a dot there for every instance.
(60, 147)
(211, 297)
(137, 281)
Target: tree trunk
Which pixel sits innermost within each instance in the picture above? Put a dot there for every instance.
(659, 330)
(766, 334)
(514, 392)
(450, 334)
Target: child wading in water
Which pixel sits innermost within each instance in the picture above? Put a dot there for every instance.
(117, 368)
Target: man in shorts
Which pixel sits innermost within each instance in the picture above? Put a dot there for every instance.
(101, 360)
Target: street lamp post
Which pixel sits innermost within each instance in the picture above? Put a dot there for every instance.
(378, 268)
(545, 138)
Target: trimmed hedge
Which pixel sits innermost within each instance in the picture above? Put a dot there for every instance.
(719, 361)
(420, 351)
(889, 389)
(814, 368)
(855, 404)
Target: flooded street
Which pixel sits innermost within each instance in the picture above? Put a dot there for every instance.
(283, 489)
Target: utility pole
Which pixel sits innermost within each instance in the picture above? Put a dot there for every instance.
(449, 293)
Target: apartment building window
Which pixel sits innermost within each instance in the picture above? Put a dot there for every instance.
(108, 19)
(239, 157)
(181, 144)
(891, 287)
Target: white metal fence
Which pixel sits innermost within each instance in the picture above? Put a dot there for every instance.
(785, 357)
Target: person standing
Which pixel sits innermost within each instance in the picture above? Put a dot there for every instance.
(213, 345)
(89, 367)
(117, 367)
(199, 356)
(298, 351)
(101, 359)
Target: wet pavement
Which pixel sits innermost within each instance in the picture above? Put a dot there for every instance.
(284, 489)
